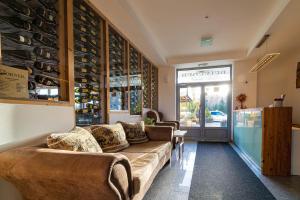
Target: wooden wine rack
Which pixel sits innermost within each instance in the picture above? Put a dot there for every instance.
(122, 71)
(118, 71)
(146, 65)
(46, 44)
(154, 88)
(135, 80)
(89, 65)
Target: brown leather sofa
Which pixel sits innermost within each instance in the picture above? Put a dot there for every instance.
(42, 173)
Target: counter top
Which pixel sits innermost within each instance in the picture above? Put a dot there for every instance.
(248, 109)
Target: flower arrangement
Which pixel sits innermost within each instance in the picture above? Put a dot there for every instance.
(241, 98)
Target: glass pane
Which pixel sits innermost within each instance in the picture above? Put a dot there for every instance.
(190, 103)
(204, 75)
(216, 105)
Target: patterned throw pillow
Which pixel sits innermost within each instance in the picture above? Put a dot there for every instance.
(111, 137)
(78, 139)
(135, 132)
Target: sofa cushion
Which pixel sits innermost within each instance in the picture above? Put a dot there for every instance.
(135, 132)
(161, 148)
(143, 166)
(77, 139)
(111, 138)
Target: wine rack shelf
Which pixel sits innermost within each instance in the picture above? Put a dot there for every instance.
(154, 88)
(146, 65)
(31, 43)
(135, 80)
(118, 69)
(89, 65)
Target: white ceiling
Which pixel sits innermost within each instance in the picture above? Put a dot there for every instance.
(176, 26)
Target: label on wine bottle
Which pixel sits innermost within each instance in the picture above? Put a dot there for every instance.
(13, 82)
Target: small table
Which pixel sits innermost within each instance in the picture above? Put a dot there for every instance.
(180, 135)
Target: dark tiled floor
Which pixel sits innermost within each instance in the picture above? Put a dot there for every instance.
(173, 181)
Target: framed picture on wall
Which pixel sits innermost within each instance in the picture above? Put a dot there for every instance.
(298, 76)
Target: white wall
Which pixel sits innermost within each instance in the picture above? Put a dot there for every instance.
(280, 78)
(115, 116)
(167, 92)
(244, 82)
(22, 123)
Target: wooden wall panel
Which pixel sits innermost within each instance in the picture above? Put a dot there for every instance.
(276, 147)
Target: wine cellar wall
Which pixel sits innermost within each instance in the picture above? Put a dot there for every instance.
(135, 80)
(89, 65)
(65, 52)
(118, 71)
(146, 83)
(154, 88)
(31, 43)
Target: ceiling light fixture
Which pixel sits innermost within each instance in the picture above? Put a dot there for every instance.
(264, 61)
(206, 41)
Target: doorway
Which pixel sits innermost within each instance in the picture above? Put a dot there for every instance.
(204, 102)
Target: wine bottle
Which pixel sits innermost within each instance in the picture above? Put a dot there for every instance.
(44, 40)
(45, 80)
(45, 53)
(94, 97)
(93, 107)
(21, 54)
(46, 67)
(81, 100)
(93, 31)
(49, 15)
(81, 48)
(90, 78)
(82, 90)
(94, 88)
(86, 69)
(82, 59)
(49, 4)
(16, 22)
(81, 38)
(31, 85)
(18, 38)
(45, 27)
(83, 111)
(80, 27)
(80, 5)
(80, 17)
(18, 7)
(81, 80)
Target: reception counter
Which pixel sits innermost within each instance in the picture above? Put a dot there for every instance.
(264, 135)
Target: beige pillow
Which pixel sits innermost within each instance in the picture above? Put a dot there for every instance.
(77, 139)
(135, 132)
(111, 138)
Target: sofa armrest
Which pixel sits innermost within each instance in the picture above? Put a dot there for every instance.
(177, 124)
(40, 173)
(173, 124)
(160, 133)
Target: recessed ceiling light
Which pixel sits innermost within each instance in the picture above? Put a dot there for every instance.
(206, 41)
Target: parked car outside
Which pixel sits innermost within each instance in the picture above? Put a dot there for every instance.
(218, 116)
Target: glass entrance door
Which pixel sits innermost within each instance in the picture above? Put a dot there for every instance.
(190, 106)
(204, 106)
